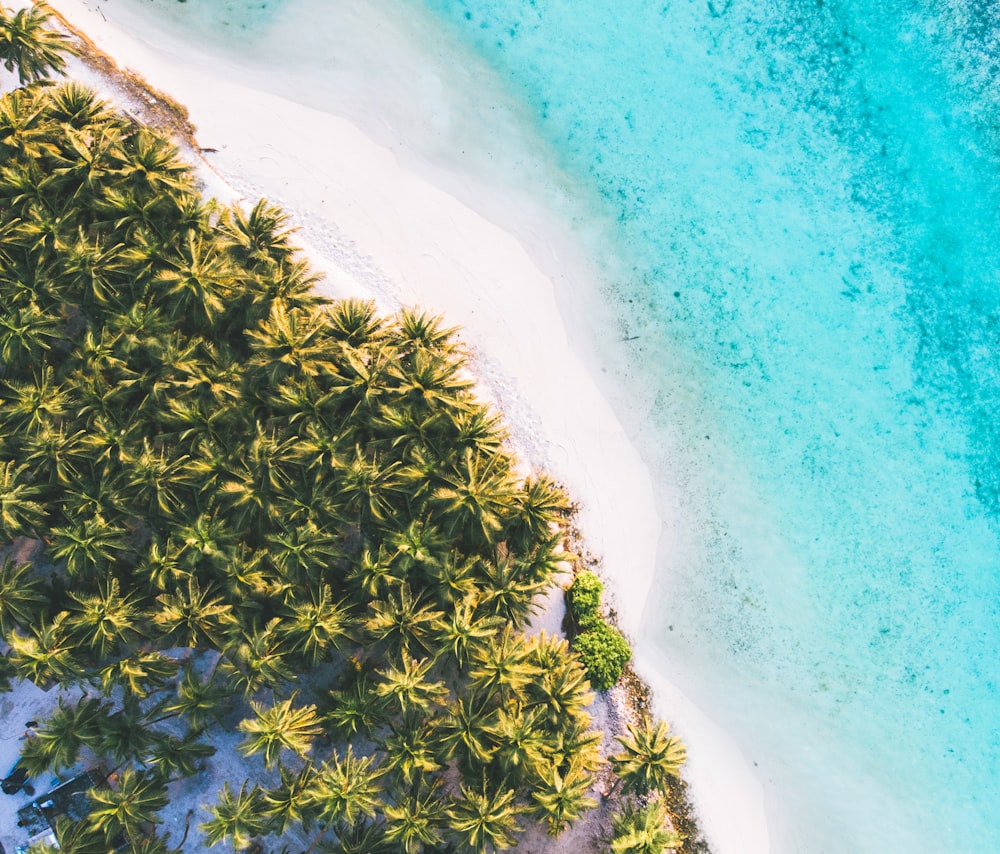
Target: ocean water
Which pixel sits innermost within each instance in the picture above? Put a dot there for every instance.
(798, 214)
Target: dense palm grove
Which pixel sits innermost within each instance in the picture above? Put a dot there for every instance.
(234, 483)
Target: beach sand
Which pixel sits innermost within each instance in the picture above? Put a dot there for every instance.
(379, 223)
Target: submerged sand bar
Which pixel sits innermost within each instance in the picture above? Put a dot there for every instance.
(380, 226)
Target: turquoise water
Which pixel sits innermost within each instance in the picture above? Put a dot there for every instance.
(803, 209)
(807, 199)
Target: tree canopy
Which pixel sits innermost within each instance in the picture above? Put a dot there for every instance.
(212, 456)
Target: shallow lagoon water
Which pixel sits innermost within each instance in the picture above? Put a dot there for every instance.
(803, 215)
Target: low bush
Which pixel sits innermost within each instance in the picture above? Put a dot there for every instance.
(584, 598)
(604, 652)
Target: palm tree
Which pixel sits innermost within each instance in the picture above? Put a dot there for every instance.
(429, 381)
(28, 44)
(106, 438)
(370, 489)
(281, 726)
(263, 475)
(93, 272)
(316, 626)
(420, 548)
(402, 622)
(73, 104)
(236, 817)
(25, 134)
(477, 495)
(650, 756)
(422, 330)
(78, 837)
(463, 630)
(104, 402)
(544, 560)
(40, 230)
(260, 238)
(45, 654)
(105, 620)
(347, 789)
(56, 745)
(355, 322)
(573, 741)
(469, 728)
(90, 544)
(54, 457)
(139, 674)
(561, 689)
(318, 448)
(178, 756)
(208, 542)
(137, 218)
(21, 595)
(510, 593)
(561, 798)
(247, 577)
(155, 483)
(288, 803)
(213, 377)
(417, 819)
(478, 430)
(538, 508)
(302, 551)
(520, 742)
(410, 686)
(643, 829)
(150, 843)
(259, 661)
(503, 666)
(363, 837)
(161, 566)
(26, 332)
(373, 574)
(20, 513)
(291, 342)
(135, 801)
(195, 281)
(125, 735)
(361, 379)
(485, 820)
(153, 166)
(456, 580)
(411, 434)
(195, 617)
(192, 420)
(200, 702)
(357, 708)
(412, 749)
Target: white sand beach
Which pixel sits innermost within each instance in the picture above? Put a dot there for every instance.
(381, 223)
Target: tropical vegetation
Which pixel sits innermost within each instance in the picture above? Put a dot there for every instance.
(230, 484)
(600, 646)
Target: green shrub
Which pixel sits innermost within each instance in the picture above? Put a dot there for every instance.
(584, 597)
(604, 652)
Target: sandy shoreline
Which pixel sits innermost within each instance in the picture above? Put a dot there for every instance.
(379, 228)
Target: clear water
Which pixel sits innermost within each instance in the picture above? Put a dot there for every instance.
(804, 207)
